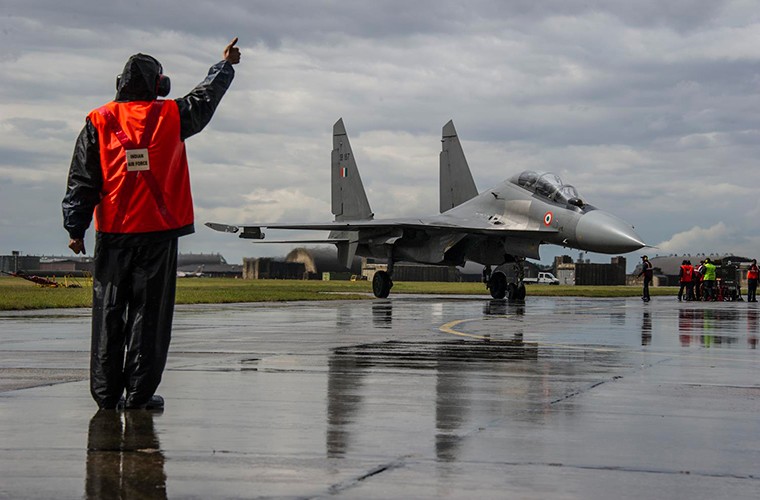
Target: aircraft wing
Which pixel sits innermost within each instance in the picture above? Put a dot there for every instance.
(440, 223)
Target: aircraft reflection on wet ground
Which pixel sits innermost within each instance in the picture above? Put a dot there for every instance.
(456, 369)
(382, 311)
(458, 366)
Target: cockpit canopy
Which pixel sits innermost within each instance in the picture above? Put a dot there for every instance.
(548, 185)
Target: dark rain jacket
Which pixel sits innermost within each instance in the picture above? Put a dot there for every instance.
(85, 180)
(646, 269)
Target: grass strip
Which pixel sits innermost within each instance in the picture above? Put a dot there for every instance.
(17, 294)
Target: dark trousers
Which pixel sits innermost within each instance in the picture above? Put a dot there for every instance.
(645, 291)
(132, 310)
(708, 290)
(751, 290)
(688, 286)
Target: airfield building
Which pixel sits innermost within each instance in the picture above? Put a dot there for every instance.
(584, 272)
(17, 262)
(320, 263)
(267, 268)
(46, 265)
(208, 265)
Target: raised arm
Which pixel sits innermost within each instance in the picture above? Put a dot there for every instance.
(197, 107)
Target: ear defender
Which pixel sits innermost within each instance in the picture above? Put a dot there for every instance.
(118, 80)
(163, 85)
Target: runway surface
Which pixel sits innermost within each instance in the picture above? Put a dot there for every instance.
(409, 397)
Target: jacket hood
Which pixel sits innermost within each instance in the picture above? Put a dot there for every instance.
(138, 80)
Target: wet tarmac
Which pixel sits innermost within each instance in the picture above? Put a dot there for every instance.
(410, 397)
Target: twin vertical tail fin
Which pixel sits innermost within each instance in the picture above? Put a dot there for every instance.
(456, 182)
(349, 201)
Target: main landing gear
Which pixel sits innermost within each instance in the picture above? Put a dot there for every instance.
(382, 282)
(499, 286)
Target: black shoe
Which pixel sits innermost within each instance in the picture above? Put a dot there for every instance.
(156, 403)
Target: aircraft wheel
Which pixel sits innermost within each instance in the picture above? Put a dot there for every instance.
(498, 285)
(381, 284)
(511, 292)
(520, 292)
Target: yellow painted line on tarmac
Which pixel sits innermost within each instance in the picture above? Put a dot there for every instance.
(449, 328)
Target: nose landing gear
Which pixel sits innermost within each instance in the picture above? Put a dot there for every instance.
(497, 285)
(500, 287)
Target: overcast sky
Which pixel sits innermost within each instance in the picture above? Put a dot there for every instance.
(649, 108)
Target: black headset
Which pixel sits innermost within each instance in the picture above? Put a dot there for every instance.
(163, 85)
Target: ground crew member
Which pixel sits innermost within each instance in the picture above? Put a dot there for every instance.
(130, 168)
(648, 273)
(697, 276)
(752, 276)
(684, 278)
(708, 284)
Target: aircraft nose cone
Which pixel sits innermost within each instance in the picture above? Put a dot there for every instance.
(599, 231)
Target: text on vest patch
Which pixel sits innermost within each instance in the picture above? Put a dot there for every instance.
(137, 159)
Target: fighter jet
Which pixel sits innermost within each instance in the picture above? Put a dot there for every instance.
(504, 224)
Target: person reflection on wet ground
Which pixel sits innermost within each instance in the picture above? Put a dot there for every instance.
(646, 328)
(752, 324)
(124, 458)
(685, 326)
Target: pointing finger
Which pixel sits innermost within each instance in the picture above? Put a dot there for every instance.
(232, 43)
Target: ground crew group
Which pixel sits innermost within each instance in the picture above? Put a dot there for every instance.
(700, 282)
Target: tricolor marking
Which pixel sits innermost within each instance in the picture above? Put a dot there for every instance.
(548, 217)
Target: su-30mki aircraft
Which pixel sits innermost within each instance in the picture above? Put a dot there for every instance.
(504, 224)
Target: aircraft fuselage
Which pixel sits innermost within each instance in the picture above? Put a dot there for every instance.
(532, 220)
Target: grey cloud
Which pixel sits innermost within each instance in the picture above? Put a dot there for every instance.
(273, 22)
(34, 128)
(29, 159)
(623, 98)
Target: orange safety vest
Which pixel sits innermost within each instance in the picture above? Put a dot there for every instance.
(753, 273)
(146, 181)
(686, 273)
